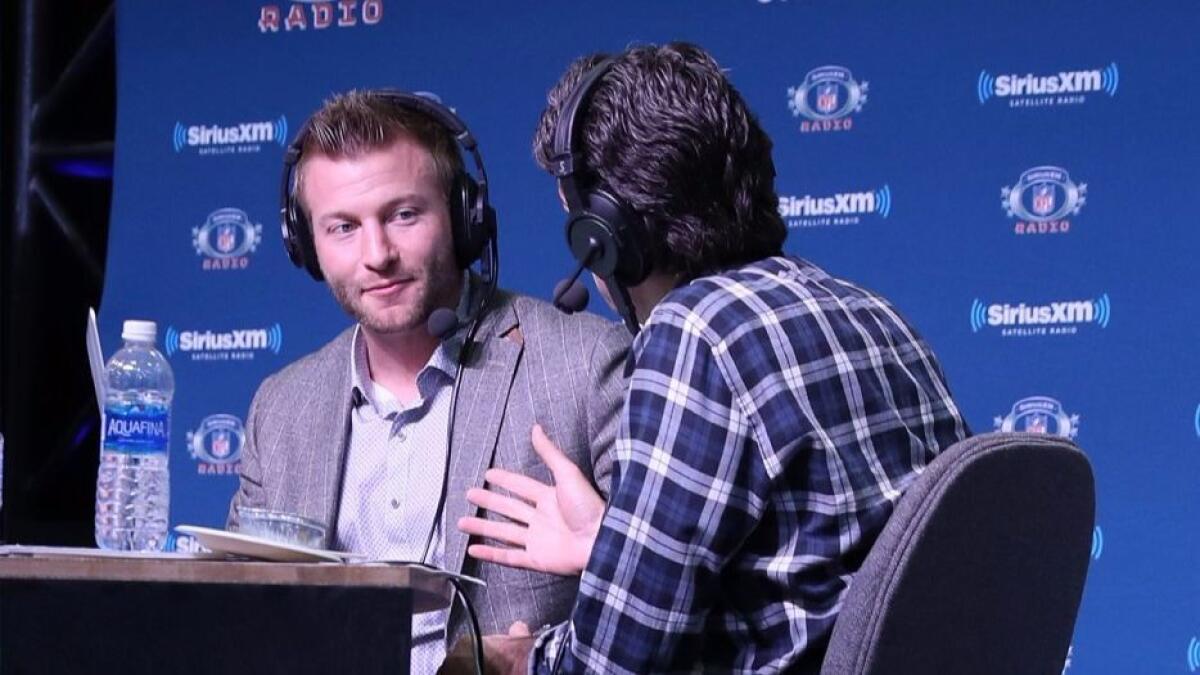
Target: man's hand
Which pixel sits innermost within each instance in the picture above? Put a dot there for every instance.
(552, 528)
(502, 654)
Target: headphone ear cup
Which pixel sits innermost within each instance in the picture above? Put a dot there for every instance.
(289, 237)
(592, 242)
(621, 236)
(467, 220)
(298, 240)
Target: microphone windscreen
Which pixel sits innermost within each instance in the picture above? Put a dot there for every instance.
(442, 322)
(572, 298)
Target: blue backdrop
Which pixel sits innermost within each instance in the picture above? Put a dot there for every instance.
(1016, 179)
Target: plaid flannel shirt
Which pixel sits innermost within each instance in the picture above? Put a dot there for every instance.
(774, 416)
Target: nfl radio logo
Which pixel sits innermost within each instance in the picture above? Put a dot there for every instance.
(1039, 415)
(226, 239)
(1043, 199)
(827, 98)
(216, 445)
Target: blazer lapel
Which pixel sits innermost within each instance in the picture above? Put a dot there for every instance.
(331, 433)
(483, 392)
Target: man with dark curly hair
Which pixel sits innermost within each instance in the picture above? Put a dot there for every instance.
(774, 416)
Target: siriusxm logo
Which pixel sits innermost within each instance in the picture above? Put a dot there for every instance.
(1055, 318)
(1193, 655)
(242, 137)
(226, 239)
(1039, 415)
(234, 345)
(1097, 543)
(320, 14)
(827, 98)
(216, 444)
(1197, 421)
(1063, 88)
(840, 209)
(185, 543)
(1041, 200)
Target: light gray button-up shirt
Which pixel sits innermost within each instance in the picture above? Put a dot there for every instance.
(395, 466)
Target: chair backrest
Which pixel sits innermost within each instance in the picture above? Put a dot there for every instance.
(980, 569)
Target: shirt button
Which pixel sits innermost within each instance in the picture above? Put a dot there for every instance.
(401, 436)
(395, 503)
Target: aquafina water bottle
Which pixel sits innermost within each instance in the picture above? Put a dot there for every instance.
(133, 489)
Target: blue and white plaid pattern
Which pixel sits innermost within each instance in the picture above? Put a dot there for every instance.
(774, 417)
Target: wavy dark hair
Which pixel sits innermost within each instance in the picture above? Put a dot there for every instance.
(666, 132)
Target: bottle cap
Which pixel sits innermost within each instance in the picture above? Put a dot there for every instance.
(141, 331)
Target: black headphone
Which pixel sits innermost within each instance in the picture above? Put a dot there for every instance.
(472, 219)
(604, 234)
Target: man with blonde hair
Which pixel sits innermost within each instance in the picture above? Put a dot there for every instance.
(381, 432)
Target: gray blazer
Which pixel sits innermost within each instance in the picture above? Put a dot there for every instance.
(531, 364)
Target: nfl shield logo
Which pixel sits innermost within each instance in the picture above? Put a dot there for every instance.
(226, 238)
(1043, 199)
(220, 444)
(827, 98)
(1036, 424)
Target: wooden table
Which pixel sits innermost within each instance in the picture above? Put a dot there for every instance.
(72, 611)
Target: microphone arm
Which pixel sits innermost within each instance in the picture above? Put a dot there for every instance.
(624, 303)
(565, 285)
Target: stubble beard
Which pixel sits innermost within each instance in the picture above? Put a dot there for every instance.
(436, 287)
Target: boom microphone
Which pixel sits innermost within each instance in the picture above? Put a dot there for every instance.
(570, 295)
(442, 322)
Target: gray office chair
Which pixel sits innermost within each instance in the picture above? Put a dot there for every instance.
(980, 569)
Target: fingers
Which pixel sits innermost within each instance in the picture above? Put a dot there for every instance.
(508, 533)
(523, 486)
(508, 507)
(509, 557)
(560, 465)
(519, 629)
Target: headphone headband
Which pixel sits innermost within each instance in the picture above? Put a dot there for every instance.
(564, 159)
(603, 234)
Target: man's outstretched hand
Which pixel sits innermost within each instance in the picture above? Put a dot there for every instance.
(550, 528)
